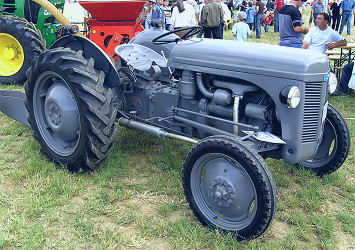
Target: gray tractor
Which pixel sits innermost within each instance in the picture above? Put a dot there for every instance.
(239, 103)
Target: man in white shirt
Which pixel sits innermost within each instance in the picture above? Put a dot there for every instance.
(322, 37)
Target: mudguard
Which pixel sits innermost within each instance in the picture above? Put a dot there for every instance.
(91, 50)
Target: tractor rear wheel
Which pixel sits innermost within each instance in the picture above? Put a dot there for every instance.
(20, 42)
(70, 109)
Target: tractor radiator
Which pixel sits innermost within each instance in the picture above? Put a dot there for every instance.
(313, 95)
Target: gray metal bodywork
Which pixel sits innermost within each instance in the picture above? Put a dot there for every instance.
(271, 68)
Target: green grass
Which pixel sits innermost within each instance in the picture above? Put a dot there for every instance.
(135, 198)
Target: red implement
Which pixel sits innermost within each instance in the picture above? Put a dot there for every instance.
(113, 11)
(113, 22)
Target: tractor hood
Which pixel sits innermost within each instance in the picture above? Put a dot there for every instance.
(230, 58)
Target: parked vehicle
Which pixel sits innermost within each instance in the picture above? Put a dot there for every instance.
(237, 106)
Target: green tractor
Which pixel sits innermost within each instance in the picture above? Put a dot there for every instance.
(25, 30)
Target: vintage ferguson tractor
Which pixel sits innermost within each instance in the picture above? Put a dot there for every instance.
(242, 102)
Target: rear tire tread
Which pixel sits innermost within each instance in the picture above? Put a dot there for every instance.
(29, 37)
(98, 113)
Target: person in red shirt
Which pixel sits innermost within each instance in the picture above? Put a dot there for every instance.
(278, 5)
(267, 21)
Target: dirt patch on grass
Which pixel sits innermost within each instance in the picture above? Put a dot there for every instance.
(8, 186)
(145, 203)
(177, 215)
(344, 240)
(330, 207)
(279, 229)
(158, 244)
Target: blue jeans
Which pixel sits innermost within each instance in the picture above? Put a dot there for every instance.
(276, 21)
(266, 27)
(345, 77)
(220, 30)
(292, 45)
(199, 34)
(259, 19)
(346, 18)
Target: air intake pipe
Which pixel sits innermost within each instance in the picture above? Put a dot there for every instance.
(220, 97)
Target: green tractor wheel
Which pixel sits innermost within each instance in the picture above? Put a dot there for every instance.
(20, 42)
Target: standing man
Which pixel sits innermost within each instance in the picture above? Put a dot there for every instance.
(291, 29)
(211, 17)
(231, 8)
(194, 4)
(270, 5)
(226, 16)
(321, 37)
(200, 7)
(346, 9)
(318, 7)
(278, 5)
(155, 13)
(243, 6)
(167, 12)
(259, 10)
(335, 14)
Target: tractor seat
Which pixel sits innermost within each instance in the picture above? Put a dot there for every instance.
(140, 57)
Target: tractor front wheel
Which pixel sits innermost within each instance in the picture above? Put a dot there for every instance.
(229, 187)
(20, 42)
(334, 147)
(70, 109)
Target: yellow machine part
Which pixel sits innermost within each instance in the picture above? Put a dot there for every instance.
(11, 55)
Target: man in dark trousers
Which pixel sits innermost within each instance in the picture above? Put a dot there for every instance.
(211, 17)
(345, 78)
(259, 10)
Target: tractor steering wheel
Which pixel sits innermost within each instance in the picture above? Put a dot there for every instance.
(192, 30)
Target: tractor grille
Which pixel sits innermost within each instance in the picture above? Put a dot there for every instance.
(313, 95)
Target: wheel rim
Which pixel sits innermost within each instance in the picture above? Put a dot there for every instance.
(56, 113)
(11, 55)
(223, 191)
(327, 148)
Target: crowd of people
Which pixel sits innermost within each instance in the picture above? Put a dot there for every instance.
(285, 15)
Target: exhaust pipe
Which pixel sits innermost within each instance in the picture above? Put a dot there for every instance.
(152, 130)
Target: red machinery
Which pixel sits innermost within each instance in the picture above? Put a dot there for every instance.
(113, 22)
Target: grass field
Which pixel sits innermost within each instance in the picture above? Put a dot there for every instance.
(135, 198)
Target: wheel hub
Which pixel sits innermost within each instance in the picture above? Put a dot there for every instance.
(54, 113)
(223, 192)
(61, 111)
(11, 55)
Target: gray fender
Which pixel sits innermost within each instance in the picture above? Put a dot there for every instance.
(91, 50)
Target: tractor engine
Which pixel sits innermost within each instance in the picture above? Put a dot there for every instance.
(238, 92)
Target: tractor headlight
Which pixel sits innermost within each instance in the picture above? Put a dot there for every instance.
(332, 83)
(290, 96)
